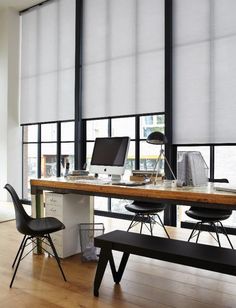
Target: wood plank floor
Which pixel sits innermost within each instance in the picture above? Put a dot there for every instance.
(146, 282)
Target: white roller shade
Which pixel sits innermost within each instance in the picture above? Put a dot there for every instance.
(123, 57)
(47, 62)
(204, 79)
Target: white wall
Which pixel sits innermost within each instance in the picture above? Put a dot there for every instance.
(10, 131)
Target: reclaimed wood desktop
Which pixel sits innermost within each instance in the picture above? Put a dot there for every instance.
(200, 196)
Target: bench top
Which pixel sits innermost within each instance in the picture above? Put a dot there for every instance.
(186, 253)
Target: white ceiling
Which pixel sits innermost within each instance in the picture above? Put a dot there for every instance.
(18, 5)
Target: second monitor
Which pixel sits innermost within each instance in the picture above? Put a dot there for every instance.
(109, 156)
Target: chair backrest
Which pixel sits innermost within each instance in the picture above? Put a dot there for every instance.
(22, 218)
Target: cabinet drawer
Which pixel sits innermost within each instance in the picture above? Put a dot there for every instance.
(52, 199)
(54, 211)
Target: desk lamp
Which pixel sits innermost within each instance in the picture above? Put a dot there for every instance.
(159, 139)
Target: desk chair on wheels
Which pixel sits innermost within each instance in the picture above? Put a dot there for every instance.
(33, 228)
(212, 217)
(145, 213)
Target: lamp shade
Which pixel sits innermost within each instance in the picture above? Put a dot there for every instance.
(156, 138)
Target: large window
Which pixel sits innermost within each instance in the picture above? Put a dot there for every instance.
(47, 148)
(137, 128)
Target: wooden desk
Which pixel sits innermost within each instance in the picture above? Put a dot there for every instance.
(199, 196)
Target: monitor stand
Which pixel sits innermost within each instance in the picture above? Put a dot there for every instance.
(115, 178)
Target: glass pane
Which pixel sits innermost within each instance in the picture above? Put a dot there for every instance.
(49, 132)
(67, 156)
(48, 160)
(67, 131)
(225, 162)
(97, 128)
(118, 206)
(151, 123)
(148, 156)
(101, 204)
(130, 162)
(89, 152)
(31, 133)
(123, 127)
(30, 167)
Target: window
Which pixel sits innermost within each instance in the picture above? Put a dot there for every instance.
(125, 126)
(45, 152)
(30, 150)
(67, 146)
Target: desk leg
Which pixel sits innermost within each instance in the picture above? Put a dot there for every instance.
(37, 212)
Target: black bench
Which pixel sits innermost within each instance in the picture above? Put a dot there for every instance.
(207, 257)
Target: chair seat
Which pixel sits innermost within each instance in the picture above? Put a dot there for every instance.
(208, 215)
(144, 207)
(45, 225)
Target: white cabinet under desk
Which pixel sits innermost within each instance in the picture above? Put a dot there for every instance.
(71, 209)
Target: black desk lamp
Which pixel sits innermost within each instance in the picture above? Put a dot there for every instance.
(159, 139)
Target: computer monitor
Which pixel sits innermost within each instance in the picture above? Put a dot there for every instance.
(109, 156)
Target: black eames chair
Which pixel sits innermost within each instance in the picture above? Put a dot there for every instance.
(145, 213)
(33, 228)
(212, 217)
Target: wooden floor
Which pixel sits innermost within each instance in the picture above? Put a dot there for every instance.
(146, 282)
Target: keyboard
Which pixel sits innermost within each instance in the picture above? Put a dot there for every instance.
(130, 183)
(93, 181)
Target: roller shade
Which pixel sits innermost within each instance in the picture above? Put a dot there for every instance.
(47, 62)
(123, 57)
(204, 66)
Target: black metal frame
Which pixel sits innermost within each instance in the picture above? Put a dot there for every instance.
(19, 256)
(190, 225)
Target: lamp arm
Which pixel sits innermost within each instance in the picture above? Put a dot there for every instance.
(169, 167)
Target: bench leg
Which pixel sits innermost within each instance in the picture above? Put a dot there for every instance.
(122, 266)
(102, 263)
(105, 256)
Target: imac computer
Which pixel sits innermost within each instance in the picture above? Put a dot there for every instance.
(109, 156)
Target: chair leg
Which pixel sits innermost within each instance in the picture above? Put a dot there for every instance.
(19, 259)
(163, 225)
(22, 242)
(194, 229)
(141, 227)
(225, 233)
(132, 222)
(217, 234)
(150, 222)
(56, 255)
(199, 231)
